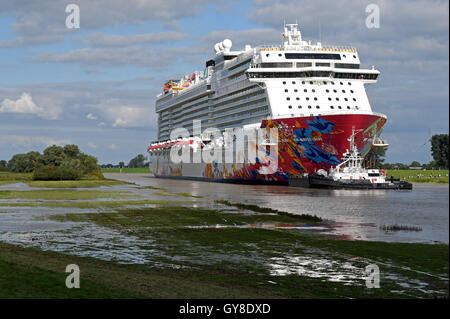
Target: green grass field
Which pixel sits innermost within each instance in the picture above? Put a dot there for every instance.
(9, 178)
(426, 176)
(126, 170)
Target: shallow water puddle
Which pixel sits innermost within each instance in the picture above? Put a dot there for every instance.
(317, 267)
(84, 239)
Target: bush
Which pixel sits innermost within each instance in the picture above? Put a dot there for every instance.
(95, 174)
(63, 163)
(54, 173)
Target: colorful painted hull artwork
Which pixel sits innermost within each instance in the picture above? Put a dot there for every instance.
(306, 144)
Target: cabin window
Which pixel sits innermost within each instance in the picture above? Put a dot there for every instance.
(303, 64)
(323, 56)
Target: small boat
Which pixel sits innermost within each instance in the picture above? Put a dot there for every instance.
(349, 174)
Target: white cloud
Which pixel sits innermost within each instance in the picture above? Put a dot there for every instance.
(112, 147)
(92, 145)
(42, 22)
(26, 105)
(122, 114)
(240, 38)
(19, 141)
(91, 116)
(112, 40)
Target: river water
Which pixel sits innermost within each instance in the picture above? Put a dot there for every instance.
(357, 214)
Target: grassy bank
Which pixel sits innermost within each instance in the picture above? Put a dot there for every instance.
(9, 178)
(62, 194)
(420, 176)
(126, 170)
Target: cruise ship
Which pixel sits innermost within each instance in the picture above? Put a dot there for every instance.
(296, 104)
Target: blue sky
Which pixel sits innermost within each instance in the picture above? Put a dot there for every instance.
(95, 86)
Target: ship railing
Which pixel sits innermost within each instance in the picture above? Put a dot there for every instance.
(269, 47)
(240, 109)
(240, 58)
(177, 98)
(240, 117)
(248, 92)
(231, 86)
(336, 48)
(237, 103)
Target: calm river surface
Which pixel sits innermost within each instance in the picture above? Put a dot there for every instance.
(358, 214)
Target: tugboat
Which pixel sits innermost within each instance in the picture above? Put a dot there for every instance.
(349, 174)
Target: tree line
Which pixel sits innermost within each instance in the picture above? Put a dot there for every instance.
(55, 163)
(439, 151)
(140, 161)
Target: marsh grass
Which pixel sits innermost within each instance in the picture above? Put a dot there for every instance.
(188, 195)
(153, 187)
(8, 177)
(255, 208)
(63, 194)
(179, 216)
(237, 258)
(162, 194)
(82, 183)
(98, 204)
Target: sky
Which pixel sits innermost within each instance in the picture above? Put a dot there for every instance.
(95, 86)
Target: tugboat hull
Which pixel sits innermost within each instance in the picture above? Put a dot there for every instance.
(319, 181)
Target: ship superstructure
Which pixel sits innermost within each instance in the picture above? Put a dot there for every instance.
(313, 94)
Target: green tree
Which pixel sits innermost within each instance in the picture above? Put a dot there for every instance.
(439, 149)
(375, 157)
(53, 155)
(3, 163)
(137, 162)
(121, 164)
(109, 165)
(415, 164)
(88, 163)
(71, 151)
(24, 163)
